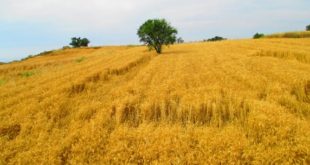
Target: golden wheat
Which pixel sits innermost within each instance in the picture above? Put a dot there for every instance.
(296, 34)
(230, 102)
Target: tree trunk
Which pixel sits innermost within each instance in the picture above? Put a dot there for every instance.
(158, 49)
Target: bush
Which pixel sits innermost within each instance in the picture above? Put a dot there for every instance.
(157, 32)
(308, 28)
(77, 42)
(216, 38)
(258, 35)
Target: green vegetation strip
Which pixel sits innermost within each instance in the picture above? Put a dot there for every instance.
(2, 82)
(26, 74)
(81, 59)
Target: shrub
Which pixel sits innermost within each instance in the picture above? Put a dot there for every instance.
(157, 32)
(216, 38)
(258, 35)
(308, 28)
(77, 42)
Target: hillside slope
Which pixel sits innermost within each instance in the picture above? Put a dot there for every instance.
(242, 101)
(296, 34)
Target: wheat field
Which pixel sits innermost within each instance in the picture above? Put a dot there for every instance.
(296, 34)
(229, 102)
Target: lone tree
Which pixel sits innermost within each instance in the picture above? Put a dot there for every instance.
(79, 42)
(308, 28)
(157, 32)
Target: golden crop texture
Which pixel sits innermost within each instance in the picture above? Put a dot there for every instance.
(229, 102)
(297, 34)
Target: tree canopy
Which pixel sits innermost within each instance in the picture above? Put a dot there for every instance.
(216, 38)
(157, 32)
(77, 42)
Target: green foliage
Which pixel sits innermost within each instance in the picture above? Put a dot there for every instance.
(308, 28)
(258, 35)
(216, 38)
(77, 42)
(157, 32)
(81, 59)
(26, 74)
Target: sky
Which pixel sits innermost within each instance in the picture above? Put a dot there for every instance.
(32, 26)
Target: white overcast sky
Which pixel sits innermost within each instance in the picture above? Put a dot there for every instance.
(30, 26)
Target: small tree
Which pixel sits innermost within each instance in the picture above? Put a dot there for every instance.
(157, 32)
(258, 35)
(308, 28)
(79, 42)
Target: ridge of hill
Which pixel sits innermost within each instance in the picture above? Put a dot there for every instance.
(229, 102)
(296, 34)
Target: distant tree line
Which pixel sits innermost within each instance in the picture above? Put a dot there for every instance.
(155, 33)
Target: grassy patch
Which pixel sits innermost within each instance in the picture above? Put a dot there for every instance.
(2, 82)
(26, 74)
(131, 46)
(96, 47)
(79, 60)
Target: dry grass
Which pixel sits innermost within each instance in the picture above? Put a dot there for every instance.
(298, 34)
(231, 102)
